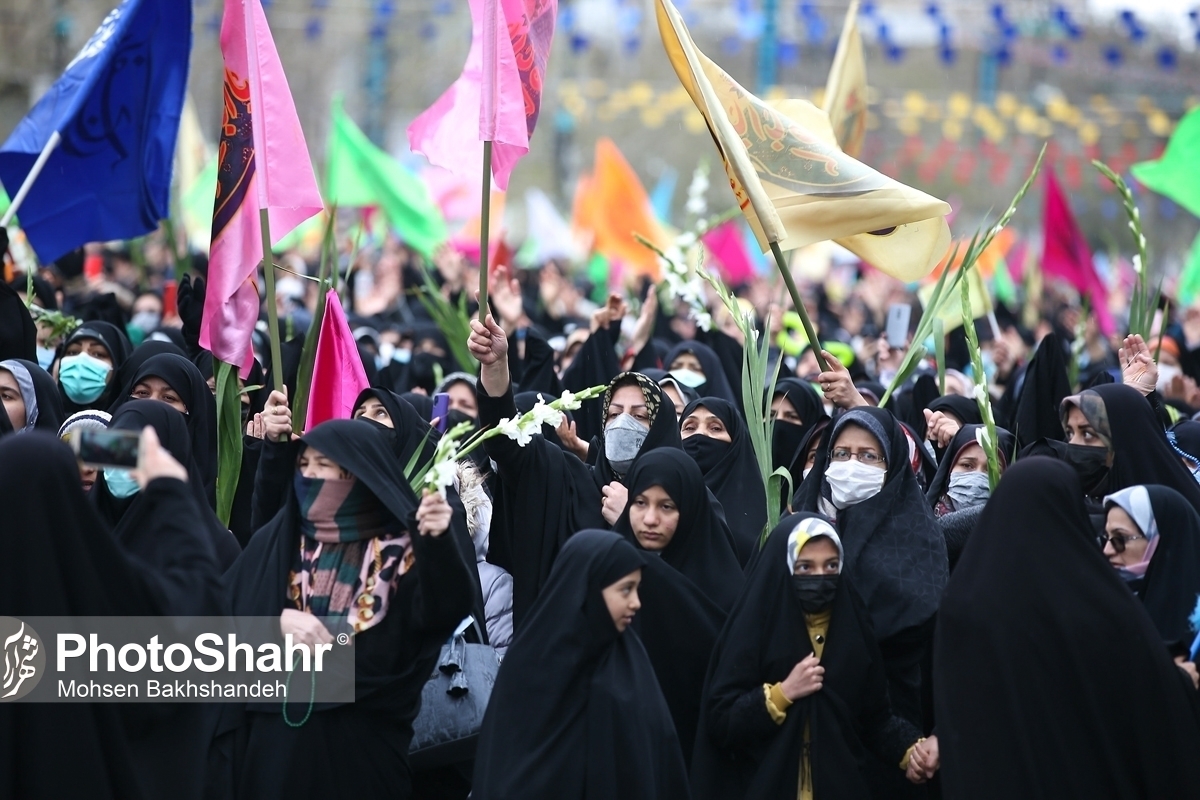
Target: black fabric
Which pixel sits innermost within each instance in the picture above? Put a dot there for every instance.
(60, 561)
(525, 401)
(117, 344)
(734, 478)
(1042, 391)
(18, 333)
(740, 751)
(962, 439)
(787, 437)
(964, 409)
(423, 404)
(1172, 581)
(702, 548)
(1187, 437)
(541, 497)
(716, 382)
(49, 400)
(1140, 452)
(576, 711)
(128, 517)
(413, 433)
(595, 363)
(258, 398)
(535, 372)
(729, 353)
(895, 554)
(957, 527)
(393, 659)
(1027, 651)
(184, 377)
(143, 353)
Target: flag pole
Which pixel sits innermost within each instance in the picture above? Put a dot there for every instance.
(42, 158)
(798, 302)
(485, 219)
(272, 311)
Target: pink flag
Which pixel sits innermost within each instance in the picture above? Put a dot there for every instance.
(1065, 253)
(263, 163)
(504, 92)
(728, 249)
(338, 376)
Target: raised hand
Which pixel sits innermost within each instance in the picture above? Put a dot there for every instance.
(506, 299)
(1137, 365)
(489, 345)
(837, 385)
(940, 428)
(277, 417)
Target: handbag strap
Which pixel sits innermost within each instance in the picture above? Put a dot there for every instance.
(467, 622)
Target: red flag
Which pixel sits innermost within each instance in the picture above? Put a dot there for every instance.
(338, 376)
(1065, 252)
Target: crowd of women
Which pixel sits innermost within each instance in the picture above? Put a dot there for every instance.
(906, 630)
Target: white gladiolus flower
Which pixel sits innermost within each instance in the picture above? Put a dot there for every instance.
(442, 474)
(1137, 264)
(981, 436)
(512, 429)
(980, 392)
(568, 402)
(543, 414)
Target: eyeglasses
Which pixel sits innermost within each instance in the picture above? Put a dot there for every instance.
(863, 457)
(1118, 540)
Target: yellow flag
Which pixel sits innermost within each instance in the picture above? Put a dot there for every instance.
(846, 88)
(793, 183)
(951, 312)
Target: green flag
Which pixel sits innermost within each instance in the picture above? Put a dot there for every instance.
(1177, 173)
(196, 203)
(360, 174)
(1189, 279)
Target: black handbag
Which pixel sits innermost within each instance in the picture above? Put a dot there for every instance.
(453, 702)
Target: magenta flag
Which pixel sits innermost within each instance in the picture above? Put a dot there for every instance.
(728, 249)
(1065, 253)
(338, 376)
(502, 92)
(262, 163)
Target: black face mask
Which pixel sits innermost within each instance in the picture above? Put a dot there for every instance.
(1090, 462)
(815, 592)
(389, 434)
(785, 441)
(705, 450)
(456, 417)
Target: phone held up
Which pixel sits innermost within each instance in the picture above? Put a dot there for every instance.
(107, 448)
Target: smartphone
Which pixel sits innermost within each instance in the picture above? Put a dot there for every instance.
(107, 448)
(441, 410)
(898, 318)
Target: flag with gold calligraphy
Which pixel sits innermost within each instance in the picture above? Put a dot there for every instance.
(846, 88)
(793, 183)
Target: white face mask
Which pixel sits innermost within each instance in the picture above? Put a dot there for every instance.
(688, 377)
(1166, 374)
(805, 473)
(969, 489)
(851, 482)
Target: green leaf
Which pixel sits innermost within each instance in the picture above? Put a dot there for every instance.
(229, 437)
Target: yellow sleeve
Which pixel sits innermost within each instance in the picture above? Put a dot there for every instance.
(777, 704)
(908, 754)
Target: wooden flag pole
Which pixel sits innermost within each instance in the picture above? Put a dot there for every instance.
(798, 302)
(485, 219)
(272, 311)
(27, 184)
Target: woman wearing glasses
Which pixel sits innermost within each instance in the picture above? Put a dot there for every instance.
(1152, 539)
(895, 554)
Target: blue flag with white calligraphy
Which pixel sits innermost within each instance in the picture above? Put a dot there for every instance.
(116, 110)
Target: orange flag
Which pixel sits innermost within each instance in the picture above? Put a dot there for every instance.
(613, 205)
